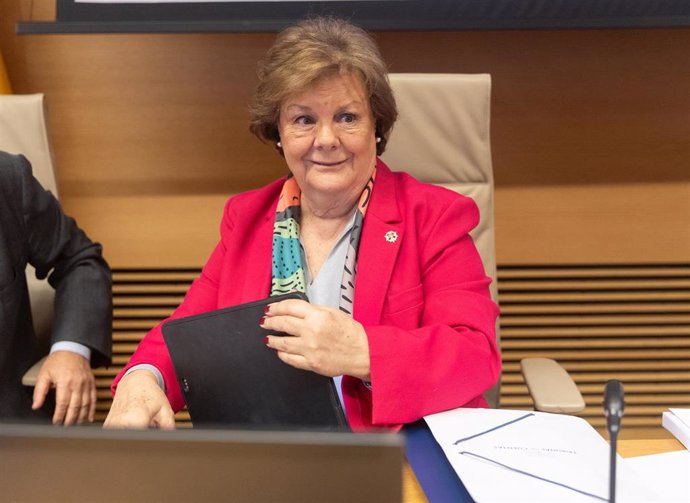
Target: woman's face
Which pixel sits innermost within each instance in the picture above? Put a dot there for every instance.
(328, 137)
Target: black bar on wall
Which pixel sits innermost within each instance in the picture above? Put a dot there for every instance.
(270, 16)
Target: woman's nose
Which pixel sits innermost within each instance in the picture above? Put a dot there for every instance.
(325, 137)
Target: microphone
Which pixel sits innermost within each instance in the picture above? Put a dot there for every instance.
(614, 405)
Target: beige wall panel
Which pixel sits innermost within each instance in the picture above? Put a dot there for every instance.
(634, 223)
(571, 106)
(38, 10)
(151, 113)
(589, 224)
(151, 231)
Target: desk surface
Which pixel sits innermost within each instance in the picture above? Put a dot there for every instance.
(642, 447)
(413, 493)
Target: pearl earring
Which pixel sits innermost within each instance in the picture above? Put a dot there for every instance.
(378, 139)
(279, 145)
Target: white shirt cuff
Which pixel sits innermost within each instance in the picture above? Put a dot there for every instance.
(154, 370)
(73, 347)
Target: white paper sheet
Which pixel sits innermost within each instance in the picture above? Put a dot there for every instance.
(677, 421)
(682, 414)
(516, 456)
(670, 471)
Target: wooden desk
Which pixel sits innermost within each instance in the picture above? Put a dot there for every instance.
(642, 447)
(412, 492)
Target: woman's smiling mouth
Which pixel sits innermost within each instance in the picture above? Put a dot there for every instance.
(328, 164)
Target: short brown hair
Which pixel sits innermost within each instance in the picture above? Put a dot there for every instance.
(312, 50)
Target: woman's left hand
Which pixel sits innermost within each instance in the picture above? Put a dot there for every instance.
(321, 339)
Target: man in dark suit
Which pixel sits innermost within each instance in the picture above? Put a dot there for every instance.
(34, 230)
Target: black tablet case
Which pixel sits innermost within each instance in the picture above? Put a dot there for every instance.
(230, 378)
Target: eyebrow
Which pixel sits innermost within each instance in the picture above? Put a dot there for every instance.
(306, 108)
(297, 107)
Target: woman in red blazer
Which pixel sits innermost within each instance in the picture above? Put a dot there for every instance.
(402, 308)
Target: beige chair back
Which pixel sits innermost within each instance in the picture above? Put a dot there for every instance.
(23, 131)
(442, 137)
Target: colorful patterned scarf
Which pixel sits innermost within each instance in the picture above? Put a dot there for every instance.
(288, 271)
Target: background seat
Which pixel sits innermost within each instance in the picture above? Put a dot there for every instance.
(442, 136)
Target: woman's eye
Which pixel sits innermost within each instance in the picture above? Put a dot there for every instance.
(348, 118)
(304, 120)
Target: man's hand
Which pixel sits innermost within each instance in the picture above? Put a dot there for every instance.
(75, 387)
(140, 403)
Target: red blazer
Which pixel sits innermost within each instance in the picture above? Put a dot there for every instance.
(423, 299)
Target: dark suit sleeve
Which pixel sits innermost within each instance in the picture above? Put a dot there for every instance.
(60, 250)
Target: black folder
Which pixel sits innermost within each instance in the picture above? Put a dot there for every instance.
(230, 378)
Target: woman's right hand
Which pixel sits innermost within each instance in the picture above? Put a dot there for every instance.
(139, 402)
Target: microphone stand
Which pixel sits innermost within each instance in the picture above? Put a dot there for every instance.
(614, 405)
(612, 466)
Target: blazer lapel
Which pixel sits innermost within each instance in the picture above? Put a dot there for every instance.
(260, 258)
(382, 236)
(255, 257)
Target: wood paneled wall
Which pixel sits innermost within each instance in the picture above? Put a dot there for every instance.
(590, 131)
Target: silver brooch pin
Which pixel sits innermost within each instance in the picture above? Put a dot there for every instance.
(391, 236)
